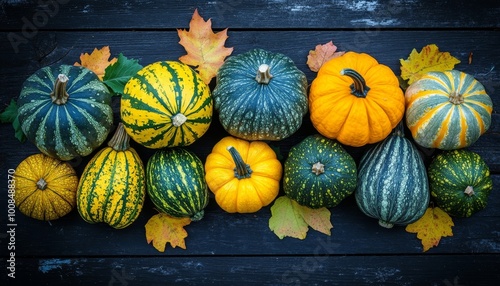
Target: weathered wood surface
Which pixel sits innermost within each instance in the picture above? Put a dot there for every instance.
(229, 249)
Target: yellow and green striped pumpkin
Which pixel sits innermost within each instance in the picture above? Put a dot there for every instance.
(176, 183)
(447, 110)
(112, 187)
(166, 104)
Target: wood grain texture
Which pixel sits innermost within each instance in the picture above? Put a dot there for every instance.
(330, 269)
(239, 14)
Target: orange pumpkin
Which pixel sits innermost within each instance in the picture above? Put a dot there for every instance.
(355, 100)
(244, 176)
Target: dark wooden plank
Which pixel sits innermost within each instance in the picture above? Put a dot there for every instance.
(220, 233)
(328, 269)
(25, 17)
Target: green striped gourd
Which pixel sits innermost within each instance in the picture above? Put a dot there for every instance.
(447, 110)
(392, 181)
(176, 183)
(460, 182)
(112, 187)
(260, 95)
(319, 172)
(166, 104)
(65, 111)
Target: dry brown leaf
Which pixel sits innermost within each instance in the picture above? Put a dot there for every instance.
(321, 54)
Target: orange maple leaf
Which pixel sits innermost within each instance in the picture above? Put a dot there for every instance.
(433, 225)
(427, 60)
(321, 54)
(205, 49)
(97, 61)
(162, 229)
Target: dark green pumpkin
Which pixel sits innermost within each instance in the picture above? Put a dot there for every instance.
(65, 111)
(260, 95)
(176, 183)
(392, 181)
(319, 172)
(460, 182)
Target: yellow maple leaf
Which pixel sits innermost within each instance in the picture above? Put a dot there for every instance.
(162, 229)
(288, 218)
(433, 225)
(205, 49)
(321, 54)
(429, 59)
(97, 61)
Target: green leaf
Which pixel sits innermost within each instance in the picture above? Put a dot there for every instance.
(117, 74)
(288, 218)
(9, 115)
(10, 112)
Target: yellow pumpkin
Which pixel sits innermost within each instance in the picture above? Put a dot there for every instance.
(355, 100)
(45, 187)
(244, 176)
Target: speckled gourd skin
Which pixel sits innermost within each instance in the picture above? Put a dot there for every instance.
(75, 128)
(166, 104)
(460, 182)
(254, 111)
(315, 188)
(112, 187)
(176, 183)
(392, 181)
(45, 187)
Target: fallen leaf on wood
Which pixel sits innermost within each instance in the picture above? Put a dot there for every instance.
(205, 49)
(162, 229)
(9, 115)
(288, 218)
(431, 227)
(321, 54)
(117, 74)
(427, 60)
(97, 61)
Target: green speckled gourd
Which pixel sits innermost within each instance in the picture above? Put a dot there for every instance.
(176, 183)
(392, 181)
(260, 95)
(65, 111)
(460, 182)
(319, 172)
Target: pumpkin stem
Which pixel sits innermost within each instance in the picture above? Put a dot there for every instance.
(41, 184)
(59, 95)
(469, 191)
(242, 170)
(120, 140)
(318, 168)
(359, 87)
(263, 74)
(385, 224)
(456, 98)
(178, 119)
(198, 216)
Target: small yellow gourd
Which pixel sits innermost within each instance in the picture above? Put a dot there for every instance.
(45, 187)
